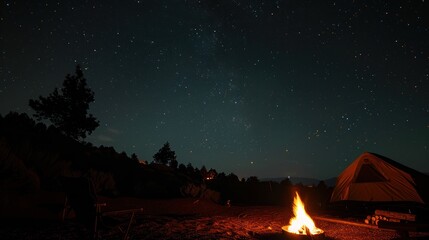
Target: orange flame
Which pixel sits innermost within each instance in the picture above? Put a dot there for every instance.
(301, 223)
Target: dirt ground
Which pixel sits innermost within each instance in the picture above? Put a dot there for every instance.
(187, 219)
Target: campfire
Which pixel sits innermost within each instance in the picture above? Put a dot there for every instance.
(301, 225)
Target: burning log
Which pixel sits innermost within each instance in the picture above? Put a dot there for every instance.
(294, 236)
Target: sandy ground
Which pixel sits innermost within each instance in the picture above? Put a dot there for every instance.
(188, 219)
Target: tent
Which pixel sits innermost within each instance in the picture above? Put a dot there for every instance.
(375, 178)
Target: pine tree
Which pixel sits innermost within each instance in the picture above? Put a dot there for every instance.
(165, 156)
(67, 109)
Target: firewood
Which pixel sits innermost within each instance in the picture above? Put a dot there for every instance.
(397, 215)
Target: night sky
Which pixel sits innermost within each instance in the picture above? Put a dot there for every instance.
(254, 87)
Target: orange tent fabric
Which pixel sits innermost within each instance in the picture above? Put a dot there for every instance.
(375, 178)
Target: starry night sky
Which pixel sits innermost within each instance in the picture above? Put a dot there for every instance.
(254, 87)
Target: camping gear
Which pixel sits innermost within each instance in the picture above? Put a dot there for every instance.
(82, 198)
(375, 178)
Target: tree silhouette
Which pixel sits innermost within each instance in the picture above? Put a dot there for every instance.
(203, 172)
(252, 179)
(135, 158)
(67, 109)
(165, 156)
(211, 174)
(173, 163)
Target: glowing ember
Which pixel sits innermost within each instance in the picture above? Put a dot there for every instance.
(301, 223)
